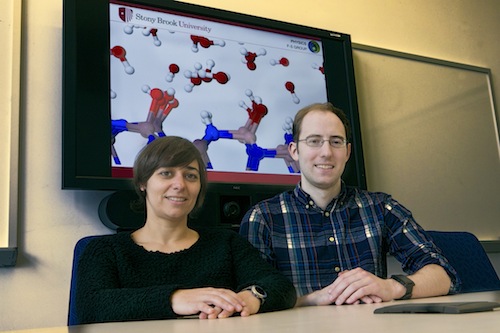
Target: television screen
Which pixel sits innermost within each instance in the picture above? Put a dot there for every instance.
(231, 83)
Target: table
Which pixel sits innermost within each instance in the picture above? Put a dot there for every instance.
(346, 318)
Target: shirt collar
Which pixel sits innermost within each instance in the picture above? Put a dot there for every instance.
(305, 199)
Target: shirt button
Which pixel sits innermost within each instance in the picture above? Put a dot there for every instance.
(337, 269)
(327, 214)
(331, 239)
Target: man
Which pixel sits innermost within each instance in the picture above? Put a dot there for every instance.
(330, 239)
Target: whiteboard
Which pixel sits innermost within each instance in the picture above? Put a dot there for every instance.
(430, 138)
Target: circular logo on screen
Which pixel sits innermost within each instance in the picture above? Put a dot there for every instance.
(314, 46)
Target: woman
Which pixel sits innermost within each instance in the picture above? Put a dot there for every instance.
(166, 269)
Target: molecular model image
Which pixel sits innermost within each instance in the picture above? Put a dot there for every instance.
(162, 103)
(120, 53)
(204, 42)
(186, 78)
(246, 135)
(200, 75)
(129, 29)
(249, 58)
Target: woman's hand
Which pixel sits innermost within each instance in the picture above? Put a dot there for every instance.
(252, 303)
(209, 303)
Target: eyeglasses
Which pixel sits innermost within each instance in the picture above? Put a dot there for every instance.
(316, 141)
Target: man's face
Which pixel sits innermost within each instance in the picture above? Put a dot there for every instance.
(321, 167)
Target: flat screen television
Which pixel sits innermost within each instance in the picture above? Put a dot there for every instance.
(136, 70)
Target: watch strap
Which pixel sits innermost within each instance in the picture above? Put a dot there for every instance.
(407, 283)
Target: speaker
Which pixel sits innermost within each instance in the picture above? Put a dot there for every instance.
(115, 211)
(219, 210)
(232, 208)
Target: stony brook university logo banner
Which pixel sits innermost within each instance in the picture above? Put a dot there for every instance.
(125, 14)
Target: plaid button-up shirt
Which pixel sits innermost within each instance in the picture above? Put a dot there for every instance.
(357, 229)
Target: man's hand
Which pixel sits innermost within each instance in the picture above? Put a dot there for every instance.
(357, 285)
(353, 287)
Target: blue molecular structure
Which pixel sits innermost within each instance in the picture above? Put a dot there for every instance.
(152, 129)
(246, 135)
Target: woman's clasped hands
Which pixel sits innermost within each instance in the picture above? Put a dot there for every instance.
(213, 303)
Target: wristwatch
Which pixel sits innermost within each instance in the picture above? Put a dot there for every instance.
(407, 283)
(258, 292)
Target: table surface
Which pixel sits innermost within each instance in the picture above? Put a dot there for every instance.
(345, 318)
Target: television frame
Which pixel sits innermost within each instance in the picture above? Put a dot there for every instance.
(86, 45)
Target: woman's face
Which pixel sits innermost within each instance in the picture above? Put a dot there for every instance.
(171, 192)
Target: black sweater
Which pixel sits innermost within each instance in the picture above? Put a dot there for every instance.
(118, 280)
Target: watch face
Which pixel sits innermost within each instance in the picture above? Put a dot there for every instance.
(260, 292)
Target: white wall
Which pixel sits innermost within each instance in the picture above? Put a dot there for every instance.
(35, 292)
